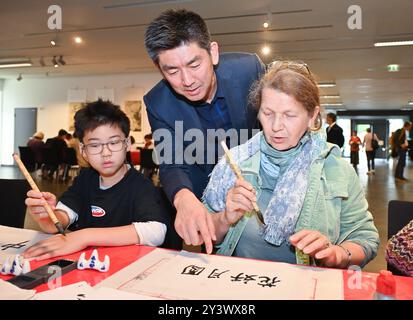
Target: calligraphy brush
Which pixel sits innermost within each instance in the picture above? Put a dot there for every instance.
(33, 185)
(237, 172)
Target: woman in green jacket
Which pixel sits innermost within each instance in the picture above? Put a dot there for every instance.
(313, 205)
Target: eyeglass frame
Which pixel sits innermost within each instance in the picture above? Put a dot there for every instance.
(290, 63)
(85, 146)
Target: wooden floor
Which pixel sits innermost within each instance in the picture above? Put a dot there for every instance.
(380, 188)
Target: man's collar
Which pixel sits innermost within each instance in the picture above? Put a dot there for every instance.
(219, 93)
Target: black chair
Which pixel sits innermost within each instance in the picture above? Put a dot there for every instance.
(147, 167)
(399, 214)
(69, 161)
(128, 157)
(27, 157)
(12, 196)
(51, 160)
(172, 239)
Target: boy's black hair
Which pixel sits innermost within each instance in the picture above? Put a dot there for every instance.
(99, 113)
(174, 28)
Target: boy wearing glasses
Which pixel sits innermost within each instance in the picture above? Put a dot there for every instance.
(109, 204)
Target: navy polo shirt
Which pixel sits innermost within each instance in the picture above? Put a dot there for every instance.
(215, 115)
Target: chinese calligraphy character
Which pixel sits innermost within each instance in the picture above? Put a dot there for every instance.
(14, 245)
(246, 278)
(193, 270)
(267, 282)
(215, 275)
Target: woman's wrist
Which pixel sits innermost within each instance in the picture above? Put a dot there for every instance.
(224, 220)
(345, 260)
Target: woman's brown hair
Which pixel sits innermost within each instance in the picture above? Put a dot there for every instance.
(292, 78)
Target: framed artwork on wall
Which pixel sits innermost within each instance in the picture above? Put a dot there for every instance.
(133, 110)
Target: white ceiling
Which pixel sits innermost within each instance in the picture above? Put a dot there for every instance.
(314, 31)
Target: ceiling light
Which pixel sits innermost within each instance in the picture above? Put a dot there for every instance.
(54, 40)
(54, 61)
(332, 96)
(393, 68)
(394, 43)
(267, 22)
(78, 40)
(332, 104)
(61, 61)
(326, 85)
(265, 50)
(8, 63)
(19, 78)
(410, 103)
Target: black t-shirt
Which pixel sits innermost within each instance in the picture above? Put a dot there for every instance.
(133, 199)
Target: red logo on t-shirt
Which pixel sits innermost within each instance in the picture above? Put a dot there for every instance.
(97, 212)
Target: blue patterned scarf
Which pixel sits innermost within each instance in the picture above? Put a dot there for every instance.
(288, 196)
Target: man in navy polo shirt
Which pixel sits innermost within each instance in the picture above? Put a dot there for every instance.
(200, 90)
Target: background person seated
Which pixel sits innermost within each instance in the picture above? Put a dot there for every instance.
(148, 141)
(54, 153)
(36, 144)
(74, 143)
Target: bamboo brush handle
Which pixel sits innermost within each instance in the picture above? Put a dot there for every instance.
(236, 170)
(34, 187)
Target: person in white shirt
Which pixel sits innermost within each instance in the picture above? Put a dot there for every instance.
(370, 151)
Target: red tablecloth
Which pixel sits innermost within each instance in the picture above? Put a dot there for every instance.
(121, 257)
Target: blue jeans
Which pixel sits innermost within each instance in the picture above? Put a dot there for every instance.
(401, 163)
(370, 158)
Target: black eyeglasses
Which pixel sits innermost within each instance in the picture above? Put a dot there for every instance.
(293, 65)
(97, 148)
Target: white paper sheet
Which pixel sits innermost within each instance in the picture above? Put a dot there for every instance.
(76, 95)
(105, 94)
(159, 274)
(75, 291)
(329, 282)
(9, 291)
(127, 278)
(15, 240)
(83, 291)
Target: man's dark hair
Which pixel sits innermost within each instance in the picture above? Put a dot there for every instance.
(62, 132)
(332, 116)
(99, 113)
(174, 28)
